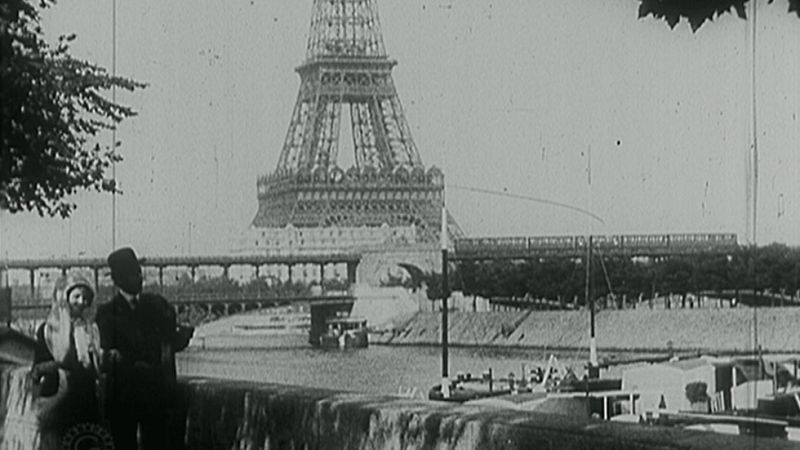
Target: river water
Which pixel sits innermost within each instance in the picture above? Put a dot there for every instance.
(378, 369)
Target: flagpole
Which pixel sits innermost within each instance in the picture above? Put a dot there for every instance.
(445, 295)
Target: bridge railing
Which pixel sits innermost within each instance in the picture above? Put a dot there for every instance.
(38, 307)
(521, 247)
(205, 297)
(186, 261)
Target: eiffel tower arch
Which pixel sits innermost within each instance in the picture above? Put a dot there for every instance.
(388, 193)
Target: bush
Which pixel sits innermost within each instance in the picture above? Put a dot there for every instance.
(697, 392)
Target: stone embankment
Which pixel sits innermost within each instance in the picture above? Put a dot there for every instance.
(224, 414)
(227, 414)
(704, 330)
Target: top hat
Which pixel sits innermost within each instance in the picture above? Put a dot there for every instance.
(123, 262)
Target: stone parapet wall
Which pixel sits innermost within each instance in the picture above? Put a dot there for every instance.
(226, 414)
(715, 330)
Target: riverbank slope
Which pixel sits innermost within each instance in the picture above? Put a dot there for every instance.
(728, 330)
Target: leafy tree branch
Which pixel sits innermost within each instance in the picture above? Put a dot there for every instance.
(52, 106)
(697, 12)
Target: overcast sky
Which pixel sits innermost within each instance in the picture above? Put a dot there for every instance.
(518, 95)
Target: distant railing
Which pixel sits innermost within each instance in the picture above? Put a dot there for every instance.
(42, 305)
(635, 245)
(746, 296)
(183, 261)
(205, 297)
(531, 303)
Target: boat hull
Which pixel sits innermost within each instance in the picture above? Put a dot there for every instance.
(465, 394)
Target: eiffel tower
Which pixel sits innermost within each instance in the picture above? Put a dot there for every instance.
(346, 65)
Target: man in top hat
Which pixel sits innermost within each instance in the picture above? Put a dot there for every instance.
(139, 337)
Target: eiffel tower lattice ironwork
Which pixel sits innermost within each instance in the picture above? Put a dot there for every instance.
(346, 65)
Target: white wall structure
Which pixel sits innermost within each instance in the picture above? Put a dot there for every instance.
(670, 380)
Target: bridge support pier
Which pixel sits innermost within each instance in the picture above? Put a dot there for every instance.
(33, 282)
(351, 273)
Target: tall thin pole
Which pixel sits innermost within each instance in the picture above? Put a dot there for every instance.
(590, 302)
(593, 373)
(4, 268)
(445, 295)
(754, 205)
(754, 149)
(588, 264)
(114, 128)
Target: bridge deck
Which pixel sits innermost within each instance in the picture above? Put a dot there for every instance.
(166, 261)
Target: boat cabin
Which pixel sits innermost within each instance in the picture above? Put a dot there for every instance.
(713, 384)
(345, 332)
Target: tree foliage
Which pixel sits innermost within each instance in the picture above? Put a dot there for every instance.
(51, 106)
(697, 391)
(774, 268)
(222, 285)
(697, 12)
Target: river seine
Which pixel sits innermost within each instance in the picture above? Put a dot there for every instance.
(376, 370)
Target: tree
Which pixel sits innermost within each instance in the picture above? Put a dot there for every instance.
(697, 394)
(698, 11)
(433, 281)
(51, 106)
